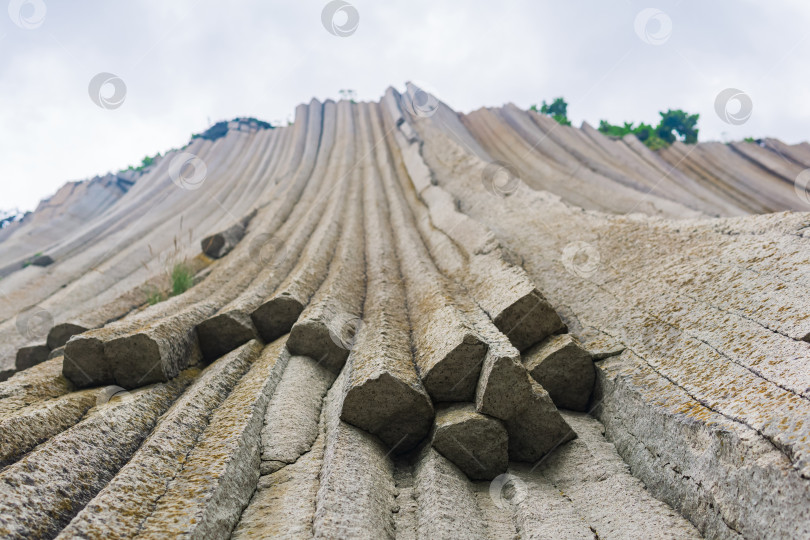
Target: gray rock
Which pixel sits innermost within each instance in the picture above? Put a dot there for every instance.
(220, 474)
(297, 227)
(59, 335)
(225, 332)
(291, 421)
(356, 493)
(31, 356)
(325, 330)
(6, 374)
(475, 443)
(564, 369)
(220, 244)
(383, 393)
(538, 429)
(507, 392)
(517, 308)
(119, 509)
(42, 260)
(28, 427)
(446, 505)
(447, 350)
(337, 230)
(156, 354)
(327, 337)
(84, 363)
(46, 488)
(277, 316)
(39, 383)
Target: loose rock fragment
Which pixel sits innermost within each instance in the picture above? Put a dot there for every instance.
(507, 392)
(564, 369)
(515, 305)
(157, 354)
(475, 443)
(84, 363)
(42, 260)
(225, 332)
(31, 356)
(59, 335)
(220, 244)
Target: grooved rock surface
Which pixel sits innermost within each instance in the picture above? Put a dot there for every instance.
(121, 508)
(705, 310)
(419, 297)
(43, 491)
(291, 421)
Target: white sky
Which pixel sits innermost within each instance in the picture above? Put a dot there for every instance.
(188, 63)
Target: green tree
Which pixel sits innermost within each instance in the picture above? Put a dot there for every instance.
(558, 110)
(678, 122)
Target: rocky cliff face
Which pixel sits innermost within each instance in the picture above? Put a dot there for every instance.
(55, 217)
(430, 325)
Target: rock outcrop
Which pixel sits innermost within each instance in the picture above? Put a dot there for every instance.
(435, 325)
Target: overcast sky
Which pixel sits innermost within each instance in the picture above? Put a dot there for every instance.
(189, 63)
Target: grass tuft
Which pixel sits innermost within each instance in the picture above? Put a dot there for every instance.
(155, 297)
(182, 278)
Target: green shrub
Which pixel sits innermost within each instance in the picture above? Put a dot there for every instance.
(674, 125)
